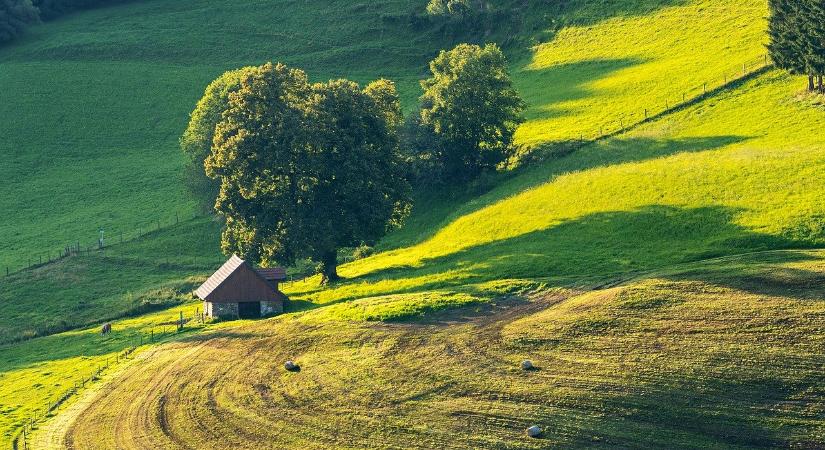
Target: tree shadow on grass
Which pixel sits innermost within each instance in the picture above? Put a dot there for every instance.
(548, 87)
(764, 273)
(436, 209)
(586, 250)
(518, 26)
(680, 411)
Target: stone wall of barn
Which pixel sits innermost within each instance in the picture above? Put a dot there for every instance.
(270, 308)
(221, 310)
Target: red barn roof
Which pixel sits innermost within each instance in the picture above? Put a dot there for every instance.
(236, 281)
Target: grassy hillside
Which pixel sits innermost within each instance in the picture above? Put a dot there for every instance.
(725, 354)
(722, 176)
(96, 103)
(36, 373)
(138, 276)
(93, 104)
(605, 74)
(721, 353)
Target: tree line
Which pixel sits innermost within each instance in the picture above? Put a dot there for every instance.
(301, 170)
(17, 15)
(797, 38)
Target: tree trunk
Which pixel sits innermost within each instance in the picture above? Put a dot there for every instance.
(810, 83)
(329, 267)
(821, 87)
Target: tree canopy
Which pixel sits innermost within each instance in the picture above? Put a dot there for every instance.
(196, 141)
(797, 38)
(15, 15)
(448, 7)
(307, 169)
(473, 109)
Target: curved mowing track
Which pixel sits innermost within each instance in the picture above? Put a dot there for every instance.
(697, 377)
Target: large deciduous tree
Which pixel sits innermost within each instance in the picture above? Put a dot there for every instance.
(307, 169)
(472, 107)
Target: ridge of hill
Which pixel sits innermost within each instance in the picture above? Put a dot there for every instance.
(513, 264)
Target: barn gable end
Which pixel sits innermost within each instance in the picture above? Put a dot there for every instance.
(237, 289)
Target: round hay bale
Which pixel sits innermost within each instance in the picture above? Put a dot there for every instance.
(527, 365)
(534, 431)
(290, 366)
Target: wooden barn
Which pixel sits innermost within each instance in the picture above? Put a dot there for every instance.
(238, 290)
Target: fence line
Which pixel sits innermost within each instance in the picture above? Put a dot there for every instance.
(21, 440)
(106, 240)
(625, 122)
(687, 96)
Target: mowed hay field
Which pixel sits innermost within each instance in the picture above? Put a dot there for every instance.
(723, 354)
(609, 266)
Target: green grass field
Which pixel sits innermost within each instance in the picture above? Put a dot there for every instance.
(710, 339)
(94, 103)
(153, 272)
(37, 372)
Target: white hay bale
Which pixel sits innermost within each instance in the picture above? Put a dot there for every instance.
(527, 365)
(290, 366)
(534, 431)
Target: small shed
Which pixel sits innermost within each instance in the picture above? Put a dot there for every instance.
(238, 290)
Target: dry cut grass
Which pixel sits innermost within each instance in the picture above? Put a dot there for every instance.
(726, 354)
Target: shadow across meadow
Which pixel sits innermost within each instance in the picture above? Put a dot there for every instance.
(443, 207)
(586, 251)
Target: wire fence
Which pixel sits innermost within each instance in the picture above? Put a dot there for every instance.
(106, 238)
(161, 332)
(621, 123)
(677, 100)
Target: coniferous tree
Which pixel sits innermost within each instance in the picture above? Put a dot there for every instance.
(797, 38)
(815, 28)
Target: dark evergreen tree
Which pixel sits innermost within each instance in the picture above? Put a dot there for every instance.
(815, 51)
(797, 38)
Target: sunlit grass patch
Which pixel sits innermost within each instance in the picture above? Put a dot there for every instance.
(395, 307)
(39, 371)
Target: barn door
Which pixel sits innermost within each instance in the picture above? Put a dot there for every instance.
(249, 310)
